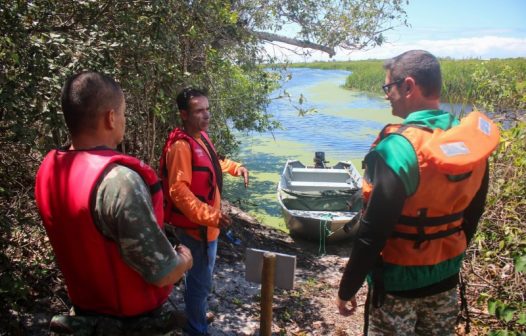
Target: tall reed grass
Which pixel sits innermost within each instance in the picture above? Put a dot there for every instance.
(461, 84)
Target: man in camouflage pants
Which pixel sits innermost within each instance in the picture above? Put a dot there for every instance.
(102, 211)
(417, 219)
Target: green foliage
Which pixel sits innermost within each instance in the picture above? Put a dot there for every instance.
(348, 24)
(495, 85)
(504, 333)
(520, 264)
(153, 48)
(501, 310)
(367, 76)
(500, 254)
(501, 240)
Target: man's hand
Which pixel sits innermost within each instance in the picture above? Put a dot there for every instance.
(176, 274)
(342, 306)
(224, 220)
(185, 255)
(244, 172)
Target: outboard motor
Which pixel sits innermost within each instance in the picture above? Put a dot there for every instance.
(319, 160)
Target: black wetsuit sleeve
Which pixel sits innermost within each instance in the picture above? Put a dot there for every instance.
(383, 210)
(475, 209)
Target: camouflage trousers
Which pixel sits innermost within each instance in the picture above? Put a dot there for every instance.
(431, 315)
(163, 322)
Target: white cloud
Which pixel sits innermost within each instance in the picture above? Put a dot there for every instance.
(484, 47)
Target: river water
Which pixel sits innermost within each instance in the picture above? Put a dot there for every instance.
(344, 126)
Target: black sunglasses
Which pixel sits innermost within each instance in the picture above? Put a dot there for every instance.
(387, 87)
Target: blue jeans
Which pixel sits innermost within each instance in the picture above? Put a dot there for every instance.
(198, 284)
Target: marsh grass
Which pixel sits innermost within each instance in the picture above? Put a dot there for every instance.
(462, 79)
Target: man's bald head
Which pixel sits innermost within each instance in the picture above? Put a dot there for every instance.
(85, 97)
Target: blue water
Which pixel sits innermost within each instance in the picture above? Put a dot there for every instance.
(336, 127)
(340, 127)
(339, 135)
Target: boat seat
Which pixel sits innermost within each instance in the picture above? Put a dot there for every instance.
(320, 170)
(319, 185)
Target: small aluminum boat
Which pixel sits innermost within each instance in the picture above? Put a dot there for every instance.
(317, 202)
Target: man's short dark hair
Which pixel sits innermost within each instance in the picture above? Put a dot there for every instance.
(85, 95)
(184, 96)
(420, 65)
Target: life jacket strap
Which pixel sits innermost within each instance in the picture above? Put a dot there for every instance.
(156, 187)
(203, 233)
(210, 179)
(215, 162)
(422, 221)
(429, 221)
(421, 238)
(201, 168)
(420, 229)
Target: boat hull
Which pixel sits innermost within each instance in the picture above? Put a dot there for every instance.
(318, 203)
(308, 226)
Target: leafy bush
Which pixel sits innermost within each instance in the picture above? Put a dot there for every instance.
(496, 261)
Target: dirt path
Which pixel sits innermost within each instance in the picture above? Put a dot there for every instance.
(308, 309)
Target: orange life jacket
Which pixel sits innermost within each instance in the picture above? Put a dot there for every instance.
(451, 166)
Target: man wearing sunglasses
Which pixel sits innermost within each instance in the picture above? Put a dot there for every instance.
(417, 220)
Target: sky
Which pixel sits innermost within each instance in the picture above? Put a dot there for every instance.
(447, 28)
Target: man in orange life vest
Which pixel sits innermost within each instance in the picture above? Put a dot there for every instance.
(103, 213)
(418, 220)
(192, 178)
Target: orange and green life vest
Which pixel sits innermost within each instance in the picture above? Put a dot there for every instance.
(428, 243)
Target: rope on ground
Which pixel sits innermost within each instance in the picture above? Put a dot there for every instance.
(324, 232)
(464, 309)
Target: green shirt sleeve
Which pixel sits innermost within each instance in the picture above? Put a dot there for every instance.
(400, 156)
(124, 213)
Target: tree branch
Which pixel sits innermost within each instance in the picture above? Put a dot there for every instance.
(302, 44)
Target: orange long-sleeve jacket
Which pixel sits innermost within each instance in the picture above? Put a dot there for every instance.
(179, 166)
